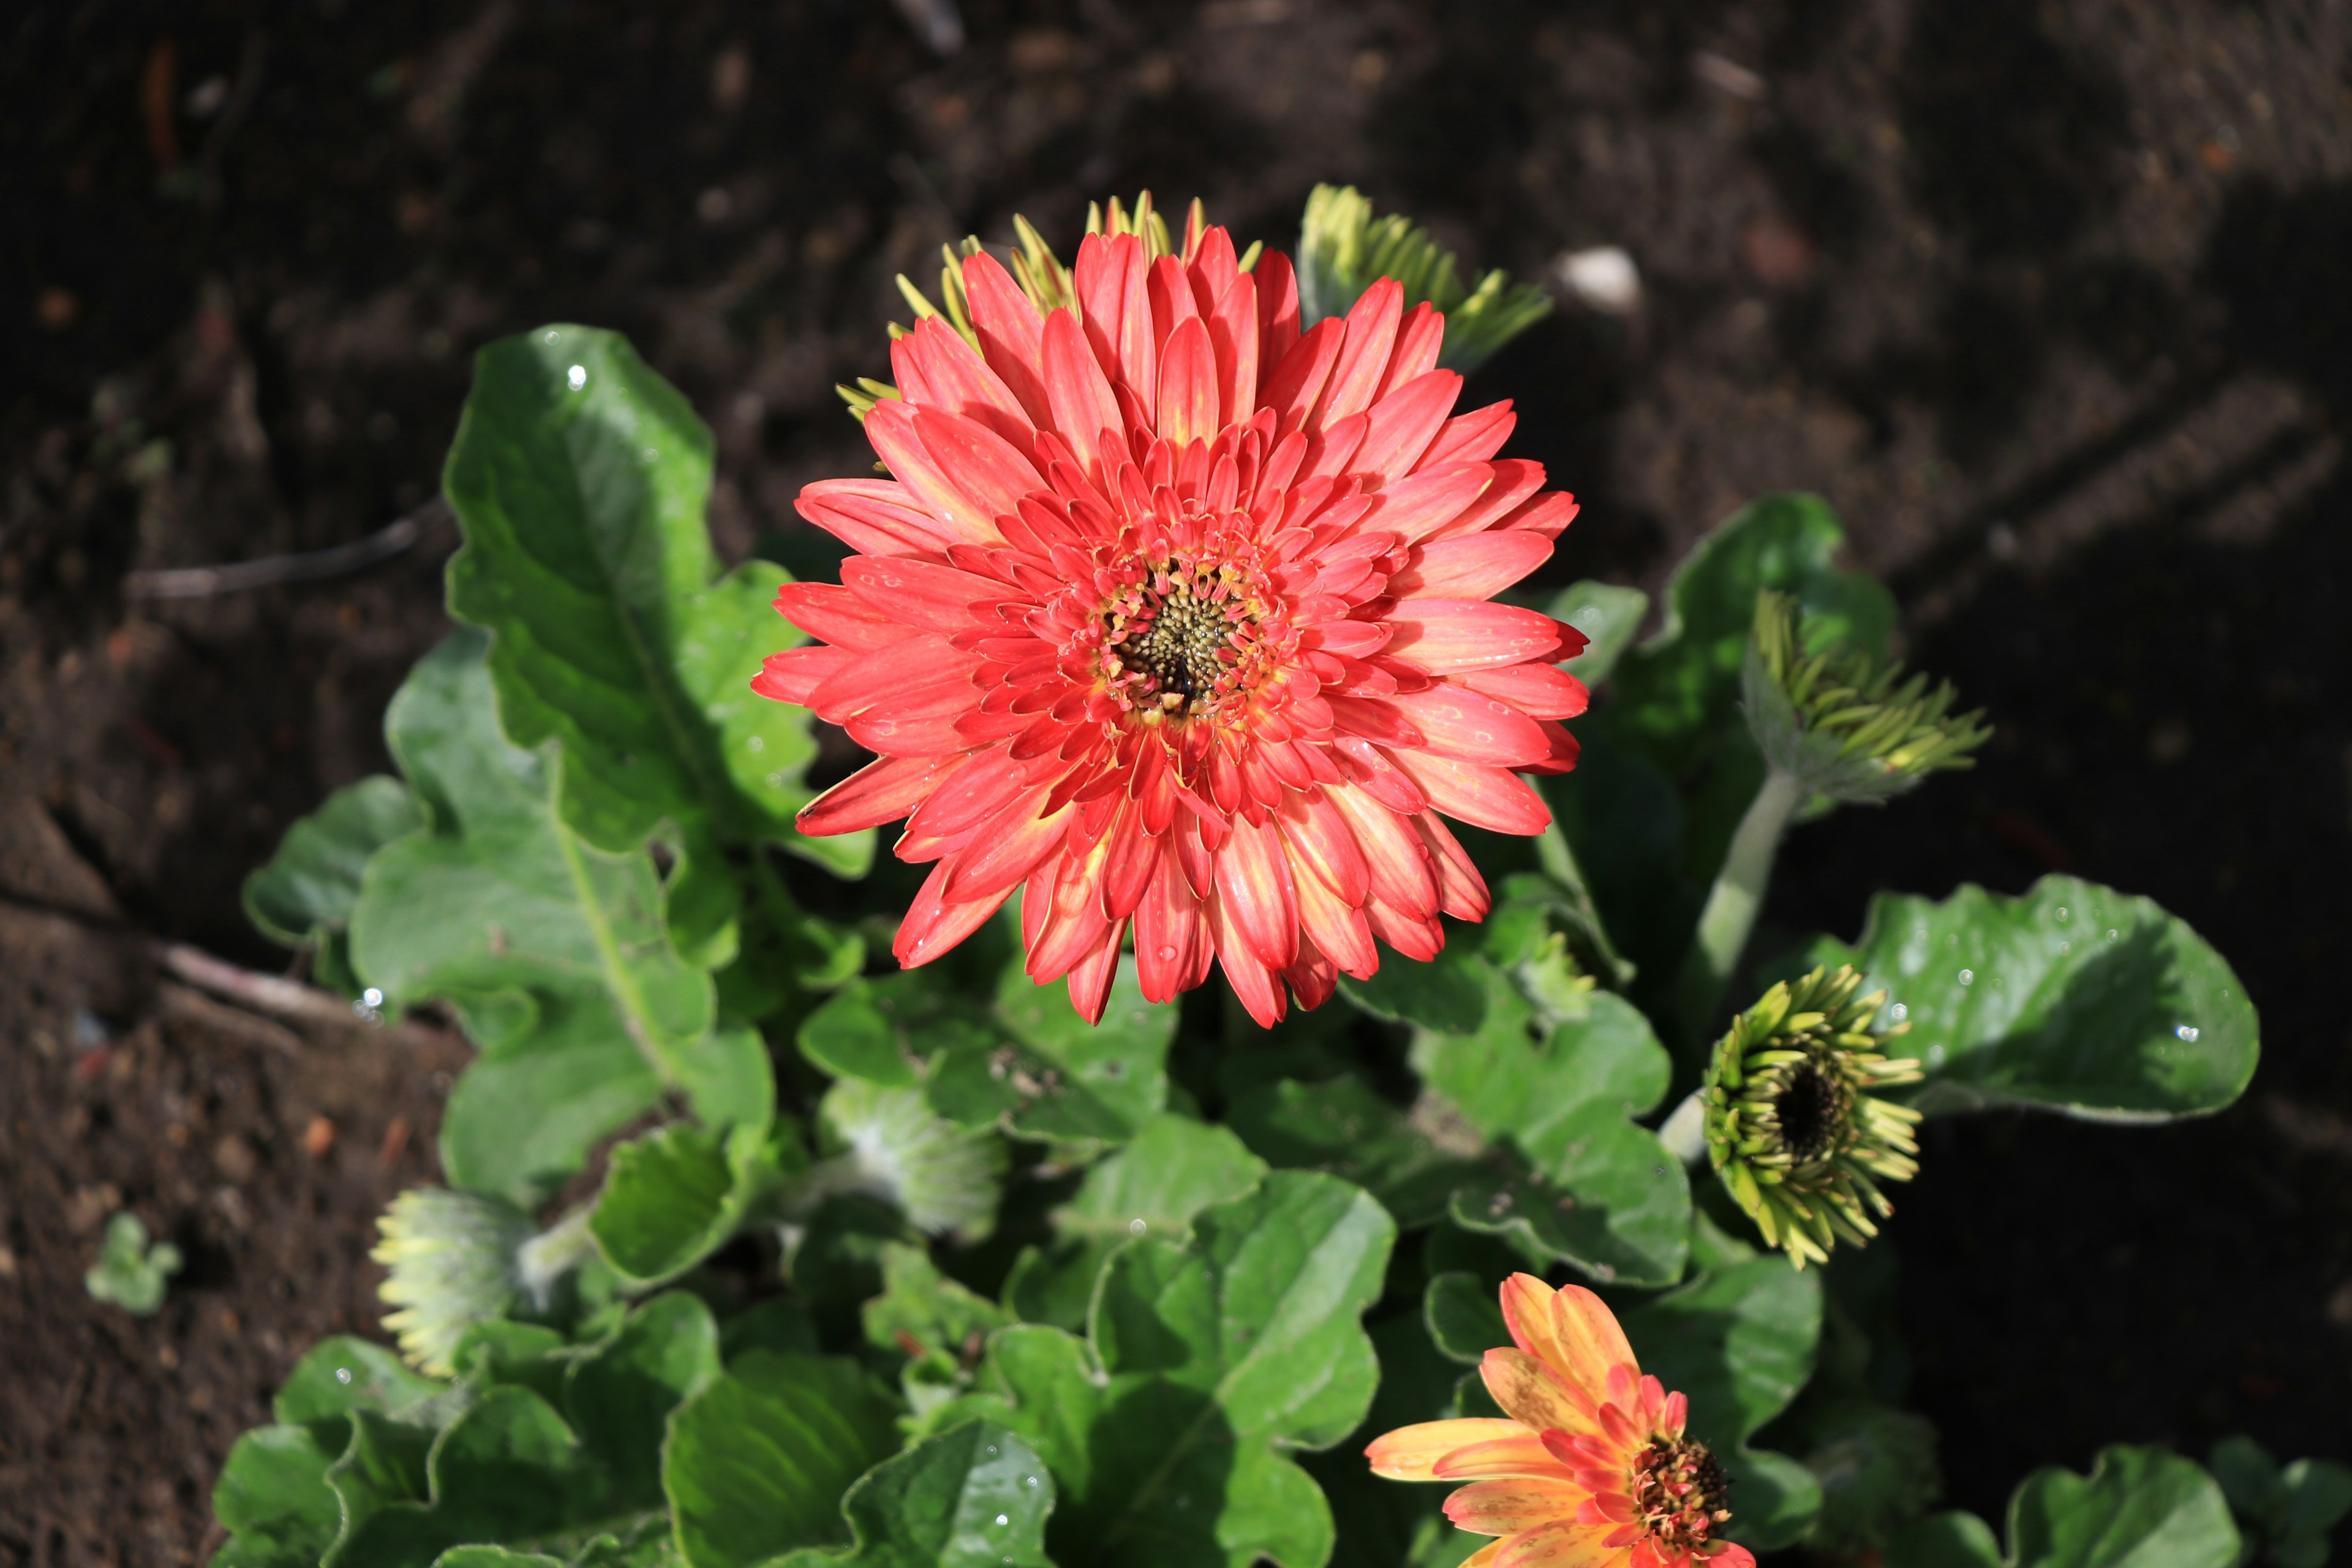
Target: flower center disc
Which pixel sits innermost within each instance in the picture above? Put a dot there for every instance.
(1679, 1492)
(1181, 640)
(1811, 1109)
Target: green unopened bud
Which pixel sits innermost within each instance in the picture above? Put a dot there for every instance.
(454, 1259)
(894, 1147)
(1838, 724)
(1344, 251)
(1794, 1124)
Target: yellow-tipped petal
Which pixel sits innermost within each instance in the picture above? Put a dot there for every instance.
(1410, 1453)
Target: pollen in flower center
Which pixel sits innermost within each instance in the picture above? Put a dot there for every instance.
(1179, 645)
(1812, 1109)
(1679, 1492)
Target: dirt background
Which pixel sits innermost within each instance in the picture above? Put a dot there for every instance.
(2050, 300)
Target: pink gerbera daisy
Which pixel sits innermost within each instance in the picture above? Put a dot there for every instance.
(1176, 616)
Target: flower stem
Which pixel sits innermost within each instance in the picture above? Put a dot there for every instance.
(1731, 904)
(547, 1257)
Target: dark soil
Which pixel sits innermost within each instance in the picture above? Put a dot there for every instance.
(2050, 300)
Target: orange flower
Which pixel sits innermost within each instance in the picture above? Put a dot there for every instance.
(1177, 615)
(1592, 1470)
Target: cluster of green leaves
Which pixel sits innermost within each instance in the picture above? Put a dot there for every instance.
(919, 1269)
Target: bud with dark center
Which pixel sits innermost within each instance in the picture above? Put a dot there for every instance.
(1795, 1125)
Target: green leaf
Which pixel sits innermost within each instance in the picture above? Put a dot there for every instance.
(1740, 1345)
(579, 477)
(1607, 615)
(302, 896)
(1463, 1316)
(2292, 1509)
(1174, 1168)
(554, 952)
(1950, 1540)
(1554, 1072)
(757, 1462)
(575, 1458)
(342, 1373)
(1342, 1128)
(129, 1272)
(973, 1498)
(2073, 999)
(1342, 252)
(1877, 1471)
(675, 1195)
(1380, 1525)
(273, 1497)
(2142, 1508)
(1168, 1428)
(936, 1323)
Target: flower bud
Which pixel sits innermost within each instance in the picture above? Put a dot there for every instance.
(1795, 1125)
(454, 1259)
(1842, 727)
(943, 1176)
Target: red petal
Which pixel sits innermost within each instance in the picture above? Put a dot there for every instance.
(839, 617)
(1419, 339)
(1516, 479)
(933, 925)
(920, 592)
(1420, 940)
(1561, 759)
(1374, 717)
(919, 719)
(1091, 978)
(891, 672)
(1422, 503)
(1168, 933)
(1471, 727)
(1277, 308)
(1371, 330)
(1538, 690)
(1404, 422)
(877, 792)
(936, 366)
(792, 674)
(1312, 975)
(1471, 438)
(1337, 930)
(1255, 892)
(1188, 385)
(1482, 796)
(1009, 330)
(1475, 566)
(1233, 331)
(1461, 892)
(1442, 635)
(960, 496)
(1300, 376)
(1075, 386)
(1320, 839)
(1001, 857)
(1395, 858)
(874, 516)
(1252, 981)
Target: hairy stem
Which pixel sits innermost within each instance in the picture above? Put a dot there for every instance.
(1731, 904)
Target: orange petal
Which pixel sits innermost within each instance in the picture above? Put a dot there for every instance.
(1473, 793)
(877, 792)
(1523, 1453)
(1590, 1339)
(1188, 385)
(1503, 1507)
(1485, 1556)
(1528, 1313)
(1564, 1545)
(1410, 1453)
(1534, 1395)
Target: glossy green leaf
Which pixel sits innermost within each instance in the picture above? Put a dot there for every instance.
(579, 477)
(1607, 615)
(888, 1144)
(1174, 1168)
(757, 1462)
(554, 952)
(678, 1194)
(273, 1499)
(1341, 1126)
(976, 1497)
(302, 896)
(1168, 1428)
(1463, 1316)
(1022, 1058)
(2073, 999)
(2143, 1508)
(494, 1557)
(2292, 1509)
(567, 1458)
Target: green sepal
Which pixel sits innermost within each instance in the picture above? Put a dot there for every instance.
(1342, 251)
